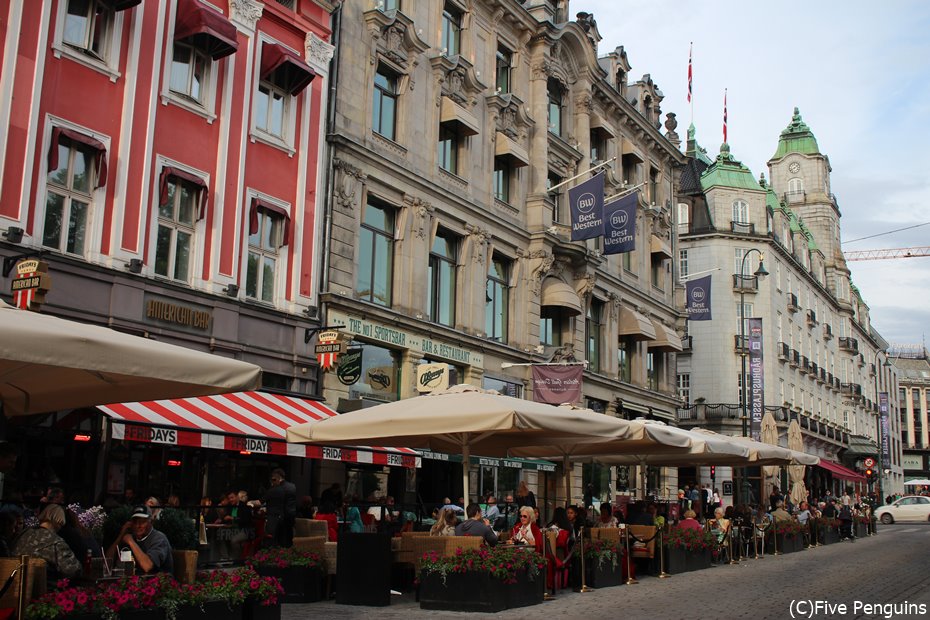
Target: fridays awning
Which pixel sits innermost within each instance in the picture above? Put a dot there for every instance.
(240, 421)
(839, 471)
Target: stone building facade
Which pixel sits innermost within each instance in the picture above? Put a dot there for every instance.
(913, 366)
(445, 245)
(824, 363)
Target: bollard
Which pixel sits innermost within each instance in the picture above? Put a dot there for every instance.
(584, 586)
(662, 573)
(626, 541)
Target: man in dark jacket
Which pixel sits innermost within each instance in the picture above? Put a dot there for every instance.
(476, 525)
(281, 510)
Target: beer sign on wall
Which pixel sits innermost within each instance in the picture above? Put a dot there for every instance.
(432, 377)
(329, 345)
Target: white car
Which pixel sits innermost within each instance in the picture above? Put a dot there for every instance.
(909, 508)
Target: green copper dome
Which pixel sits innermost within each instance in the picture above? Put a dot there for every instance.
(694, 149)
(727, 171)
(797, 137)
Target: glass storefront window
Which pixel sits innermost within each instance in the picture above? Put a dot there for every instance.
(380, 378)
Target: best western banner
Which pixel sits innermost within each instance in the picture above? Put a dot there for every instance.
(756, 392)
(885, 428)
(698, 299)
(557, 384)
(620, 225)
(586, 202)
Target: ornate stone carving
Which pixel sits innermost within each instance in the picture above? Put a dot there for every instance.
(544, 69)
(245, 14)
(393, 35)
(585, 284)
(318, 52)
(544, 264)
(480, 239)
(457, 80)
(613, 301)
(585, 103)
(346, 183)
(422, 214)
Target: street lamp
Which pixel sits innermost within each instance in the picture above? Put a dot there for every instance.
(881, 465)
(744, 346)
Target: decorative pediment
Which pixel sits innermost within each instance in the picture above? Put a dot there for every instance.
(457, 79)
(394, 36)
(509, 116)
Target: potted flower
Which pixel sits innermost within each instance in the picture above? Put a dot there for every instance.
(300, 572)
(487, 579)
(827, 530)
(602, 562)
(65, 602)
(232, 595)
(688, 549)
(788, 537)
(861, 523)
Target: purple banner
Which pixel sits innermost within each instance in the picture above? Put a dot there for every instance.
(557, 384)
(886, 430)
(586, 203)
(620, 225)
(756, 391)
(697, 303)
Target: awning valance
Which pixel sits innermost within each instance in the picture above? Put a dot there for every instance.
(274, 210)
(508, 149)
(60, 134)
(556, 293)
(660, 246)
(284, 68)
(241, 421)
(629, 151)
(170, 172)
(635, 325)
(122, 5)
(458, 117)
(205, 29)
(666, 338)
(861, 446)
(839, 471)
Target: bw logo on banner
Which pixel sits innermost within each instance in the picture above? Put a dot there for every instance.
(620, 225)
(586, 202)
(698, 299)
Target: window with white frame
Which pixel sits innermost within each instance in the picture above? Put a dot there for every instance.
(190, 72)
(555, 98)
(180, 201)
(282, 77)
(781, 391)
(778, 274)
(684, 219)
(795, 186)
(268, 232)
(683, 263)
(684, 388)
(739, 264)
(88, 32)
(77, 167)
(745, 316)
(740, 212)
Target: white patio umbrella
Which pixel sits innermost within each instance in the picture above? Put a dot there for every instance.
(768, 433)
(920, 482)
(463, 419)
(796, 472)
(765, 454)
(48, 363)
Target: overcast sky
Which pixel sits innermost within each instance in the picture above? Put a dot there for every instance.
(860, 74)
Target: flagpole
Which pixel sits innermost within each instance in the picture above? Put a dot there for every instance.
(696, 274)
(690, 94)
(581, 174)
(623, 193)
(724, 115)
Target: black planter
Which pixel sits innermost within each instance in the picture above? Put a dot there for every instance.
(209, 610)
(862, 529)
(786, 544)
(301, 584)
(254, 610)
(605, 575)
(828, 535)
(479, 591)
(678, 560)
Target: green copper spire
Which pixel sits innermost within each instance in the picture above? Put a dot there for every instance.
(727, 171)
(695, 150)
(797, 137)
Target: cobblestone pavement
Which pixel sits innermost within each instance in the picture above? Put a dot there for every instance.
(891, 567)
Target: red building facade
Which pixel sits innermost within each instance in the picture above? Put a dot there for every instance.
(164, 156)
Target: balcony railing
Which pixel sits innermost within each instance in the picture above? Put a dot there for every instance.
(795, 358)
(743, 228)
(849, 344)
(793, 303)
(743, 283)
(811, 317)
(741, 343)
(827, 332)
(804, 364)
(822, 375)
(784, 351)
(687, 343)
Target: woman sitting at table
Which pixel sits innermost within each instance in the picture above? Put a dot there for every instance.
(44, 542)
(690, 521)
(719, 524)
(445, 523)
(526, 532)
(607, 518)
(327, 512)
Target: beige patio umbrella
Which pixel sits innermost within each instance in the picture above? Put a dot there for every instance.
(766, 454)
(463, 419)
(48, 363)
(796, 472)
(649, 443)
(768, 433)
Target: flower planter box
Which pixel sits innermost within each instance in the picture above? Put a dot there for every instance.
(479, 591)
(254, 610)
(606, 575)
(862, 529)
(786, 544)
(678, 560)
(301, 584)
(142, 614)
(828, 535)
(209, 610)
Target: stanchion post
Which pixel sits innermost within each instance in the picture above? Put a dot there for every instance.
(584, 585)
(547, 596)
(662, 573)
(23, 578)
(733, 559)
(629, 559)
(755, 542)
(775, 539)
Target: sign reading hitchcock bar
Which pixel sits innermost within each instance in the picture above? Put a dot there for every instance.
(436, 349)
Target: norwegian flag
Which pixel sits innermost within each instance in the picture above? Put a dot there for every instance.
(724, 114)
(689, 71)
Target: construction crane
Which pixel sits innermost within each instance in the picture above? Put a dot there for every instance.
(886, 254)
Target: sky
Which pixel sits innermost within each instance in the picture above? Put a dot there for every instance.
(860, 74)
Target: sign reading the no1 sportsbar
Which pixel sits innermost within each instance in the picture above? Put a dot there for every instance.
(401, 339)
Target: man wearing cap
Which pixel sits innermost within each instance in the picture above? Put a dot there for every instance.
(149, 547)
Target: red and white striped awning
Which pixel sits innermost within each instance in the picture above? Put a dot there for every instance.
(241, 421)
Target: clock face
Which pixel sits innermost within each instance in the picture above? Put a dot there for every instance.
(794, 167)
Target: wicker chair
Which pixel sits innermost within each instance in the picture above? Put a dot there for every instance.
(643, 532)
(453, 543)
(404, 555)
(421, 545)
(605, 533)
(313, 544)
(310, 527)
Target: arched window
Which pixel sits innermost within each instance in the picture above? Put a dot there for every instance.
(795, 186)
(740, 212)
(684, 218)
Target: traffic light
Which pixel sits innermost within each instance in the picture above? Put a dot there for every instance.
(713, 471)
(869, 473)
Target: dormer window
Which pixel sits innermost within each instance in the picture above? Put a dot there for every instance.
(795, 186)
